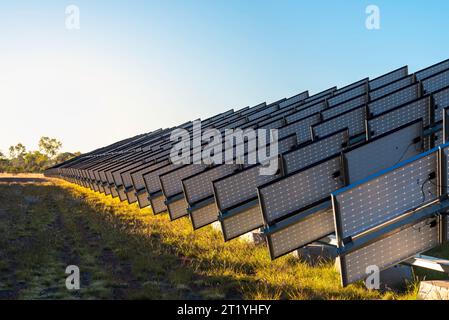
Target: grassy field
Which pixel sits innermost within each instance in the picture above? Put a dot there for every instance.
(127, 253)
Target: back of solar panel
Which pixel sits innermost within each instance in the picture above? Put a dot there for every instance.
(300, 191)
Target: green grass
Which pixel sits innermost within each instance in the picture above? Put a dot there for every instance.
(124, 252)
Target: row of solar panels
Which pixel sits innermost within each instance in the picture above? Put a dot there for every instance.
(327, 142)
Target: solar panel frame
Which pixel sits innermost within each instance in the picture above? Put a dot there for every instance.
(376, 154)
(422, 165)
(299, 230)
(314, 151)
(294, 99)
(339, 98)
(394, 99)
(400, 115)
(436, 82)
(440, 102)
(301, 128)
(307, 182)
(388, 78)
(432, 70)
(344, 106)
(351, 86)
(393, 250)
(353, 119)
(307, 112)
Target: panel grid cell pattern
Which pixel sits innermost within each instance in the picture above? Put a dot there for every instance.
(158, 204)
(314, 152)
(152, 179)
(388, 78)
(387, 196)
(394, 100)
(343, 107)
(303, 113)
(300, 128)
(199, 187)
(383, 153)
(441, 100)
(203, 216)
(353, 120)
(420, 75)
(142, 199)
(436, 82)
(376, 94)
(390, 251)
(137, 177)
(295, 99)
(177, 209)
(241, 223)
(398, 117)
(171, 182)
(301, 233)
(262, 113)
(239, 187)
(347, 95)
(439, 138)
(299, 190)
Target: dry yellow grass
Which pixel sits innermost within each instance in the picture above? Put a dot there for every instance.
(127, 253)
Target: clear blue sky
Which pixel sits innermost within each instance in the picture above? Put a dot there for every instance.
(135, 66)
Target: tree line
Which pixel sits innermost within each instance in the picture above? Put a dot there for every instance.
(20, 160)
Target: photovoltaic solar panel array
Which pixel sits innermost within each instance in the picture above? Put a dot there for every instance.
(367, 162)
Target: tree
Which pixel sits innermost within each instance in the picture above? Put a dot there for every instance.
(17, 151)
(49, 146)
(62, 157)
(4, 163)
(35, 162)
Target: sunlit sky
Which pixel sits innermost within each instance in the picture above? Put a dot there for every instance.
(135, 66)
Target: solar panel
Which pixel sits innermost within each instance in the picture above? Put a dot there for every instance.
(176, 207)
(199, 186)
(298, 231)
(171, 181)
(297, 191)
(313, 152)
(344, 106)
(389, 250)
(137, 176)
(263, 112)
(430, 71)
(235, 224)
(239, 187)
(151, 179)
(295, 99)
(441, 101)
(439, 138)
(347, 95)
(142, 198)
(300, 127)
(351, 86)
(321, 95)
(389, 120)
(383, 152)
(436, 82)
(395, 99)
(204, 215)
(199, 189)
(388, 78)
(303, 113)
(157, 203)
(353, 119)
(386, 195)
